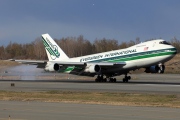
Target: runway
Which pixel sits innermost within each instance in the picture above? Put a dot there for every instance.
(63, 111)
(161, 84)
(141, 83)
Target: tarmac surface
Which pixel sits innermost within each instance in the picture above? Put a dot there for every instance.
(33, 81)
(161, 84)
(15, 110)
(158, 84)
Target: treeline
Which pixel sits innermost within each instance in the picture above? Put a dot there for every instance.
(72, 46)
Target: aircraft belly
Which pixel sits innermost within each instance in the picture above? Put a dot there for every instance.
(152, 61)
(134, 64)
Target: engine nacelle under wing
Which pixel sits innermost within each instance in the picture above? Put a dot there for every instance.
(92, 68)
(52, 67)
(155, 69)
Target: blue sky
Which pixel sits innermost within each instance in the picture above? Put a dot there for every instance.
(22, 21)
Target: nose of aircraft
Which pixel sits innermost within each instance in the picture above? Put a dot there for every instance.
(175, 50)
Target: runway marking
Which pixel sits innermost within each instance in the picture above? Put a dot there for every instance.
(160, 85)
(10, 119)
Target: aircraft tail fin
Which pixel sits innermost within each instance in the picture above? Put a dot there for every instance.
(54, 52)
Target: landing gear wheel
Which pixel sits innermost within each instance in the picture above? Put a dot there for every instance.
(126, 79)
(100, 79)
(129, 77)
(161, 69)
(104, 80)
(112, 80)
(97, 80)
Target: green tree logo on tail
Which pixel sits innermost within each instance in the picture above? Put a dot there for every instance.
(52, 49)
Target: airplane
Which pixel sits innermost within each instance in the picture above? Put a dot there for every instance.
(150, 55)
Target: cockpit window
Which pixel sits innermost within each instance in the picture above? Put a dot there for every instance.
(164, 42)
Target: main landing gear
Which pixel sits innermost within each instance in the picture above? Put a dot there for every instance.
(100, 78)
(126, 78)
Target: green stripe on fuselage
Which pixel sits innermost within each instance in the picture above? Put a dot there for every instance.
(140, 55)
(136, 56)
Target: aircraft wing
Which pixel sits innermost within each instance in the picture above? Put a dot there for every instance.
(79, 67)
(102, 64)
(39, 63)
(36, 62)
(110, 64)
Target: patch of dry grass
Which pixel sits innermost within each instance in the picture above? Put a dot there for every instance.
(172, 66)
(95, 98)
(5, 64)
(8, 63)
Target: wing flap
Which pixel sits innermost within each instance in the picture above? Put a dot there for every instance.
(106, 64)
(80, 66)
(110, 64)
(35, 62)
(70, 63)
(39, 63)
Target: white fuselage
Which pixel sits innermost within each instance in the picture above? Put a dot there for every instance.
(140, 55)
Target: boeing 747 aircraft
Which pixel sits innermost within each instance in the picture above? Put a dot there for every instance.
(150, 55)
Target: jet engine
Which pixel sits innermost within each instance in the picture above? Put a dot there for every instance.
(91, 68)
(155, 69)
(52, 67)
